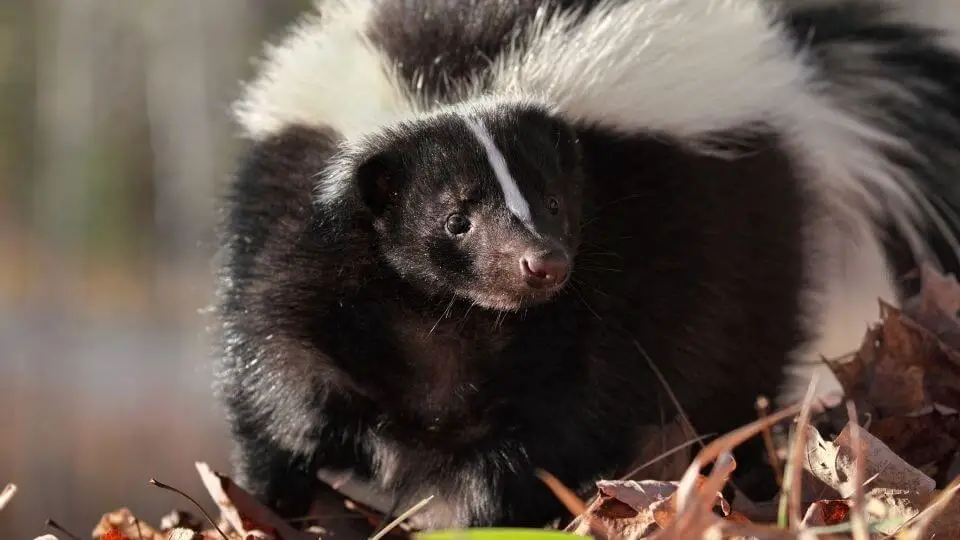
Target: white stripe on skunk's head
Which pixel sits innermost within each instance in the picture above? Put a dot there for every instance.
(512, 195)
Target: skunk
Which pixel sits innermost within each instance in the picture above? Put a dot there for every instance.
(466, 238)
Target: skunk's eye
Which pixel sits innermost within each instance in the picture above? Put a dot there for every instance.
(457, 224)
(553, 205)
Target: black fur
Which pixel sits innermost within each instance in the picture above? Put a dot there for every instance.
(440, 43)
(359, 335)
(466, 401)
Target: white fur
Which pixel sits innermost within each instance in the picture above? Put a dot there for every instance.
(944, 15)
(684, 67)
(846, 257)
(325, 73)
(646, 65)
(511, 191)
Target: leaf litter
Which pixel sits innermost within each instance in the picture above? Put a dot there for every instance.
(885, 466)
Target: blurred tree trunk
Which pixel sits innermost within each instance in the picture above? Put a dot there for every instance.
(88, 96)
(18, 86)
(134, 132)
(191, 72)
(65, 121)
(179, 120)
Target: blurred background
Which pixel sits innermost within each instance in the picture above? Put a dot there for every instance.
(115, 139)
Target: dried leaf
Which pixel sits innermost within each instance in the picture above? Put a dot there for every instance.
(901, 488)
(631, 509)
(897, 379)
(898, 389)
(123, 525)
(180, 533)
(638, 495)
(926, 441)
(666, 510)
(902, 367)
(180, 519)
(243, 512)
(114, 534)
(936, 307)
(850, 370)
(623, 509)
(827, 512)
(737, 517)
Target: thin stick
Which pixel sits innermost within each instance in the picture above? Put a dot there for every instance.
(136, 521)
(667, 454)
(763, 409)
(562, 492)
(676, 402)
(573, 503)
(401, 518)
(790, 493)
(858, 517)
(384, 520)
(363, 512)
(57, 527)
(673, 397)
(161, 485)
(694, 503)
(718, 477)
(724, 444)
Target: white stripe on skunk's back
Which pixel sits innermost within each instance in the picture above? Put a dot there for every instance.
(325, 73)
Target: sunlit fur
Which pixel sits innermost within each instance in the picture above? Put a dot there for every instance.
(630, 65)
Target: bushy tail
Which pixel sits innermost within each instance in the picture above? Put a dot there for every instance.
(891, 68)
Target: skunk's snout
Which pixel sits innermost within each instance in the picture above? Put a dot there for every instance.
(545, 270)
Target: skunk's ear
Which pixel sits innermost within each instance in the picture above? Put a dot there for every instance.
(380, 178)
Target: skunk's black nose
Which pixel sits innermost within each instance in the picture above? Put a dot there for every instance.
(545, 270)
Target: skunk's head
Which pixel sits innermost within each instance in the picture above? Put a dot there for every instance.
(481, 204)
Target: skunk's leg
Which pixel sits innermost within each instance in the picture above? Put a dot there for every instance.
(279, 478)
